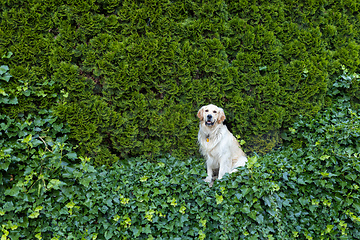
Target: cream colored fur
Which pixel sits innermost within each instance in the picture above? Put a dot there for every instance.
(220, 148)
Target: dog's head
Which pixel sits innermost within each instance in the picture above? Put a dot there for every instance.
(211, 114)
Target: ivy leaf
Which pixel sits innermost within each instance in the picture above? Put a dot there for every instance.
(8, 206)
(245, 209)
(8, 55)
(86, 181)
(303, 201)
(13, 191)
(3, 69)
(301, 181)
(260, 219)
(324, 157)
(58, 127)
(6, 77)
(144, 179)
(147, 229)
(245, 190)
(285, 176)
(38, 236)
(356, 206)
(4, 165)
(27, 139)
(34, 214)
(13, 101)
(2, 92)
(55, 183)
(136, 230)
(219, 199)
(72, 155)
(70, 205)
(108, 234)
(109, 202)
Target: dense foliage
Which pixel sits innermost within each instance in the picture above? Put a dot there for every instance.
(129, 76)
(86, 83)
(307, 190)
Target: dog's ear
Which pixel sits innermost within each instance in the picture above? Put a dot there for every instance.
(200, 114)
(221, 116)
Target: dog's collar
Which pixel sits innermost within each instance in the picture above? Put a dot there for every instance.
(207, 138)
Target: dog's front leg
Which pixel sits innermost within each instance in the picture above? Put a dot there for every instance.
(209, 171)
(225, 167)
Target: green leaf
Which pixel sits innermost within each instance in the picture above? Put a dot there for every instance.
(8, 55)
(285, 176)
(251, 161)
(2, 92)
(27, 139)
(245, 190)
(252, 214)
(34, 215)
(6, 77)
(219, 199)
(144, 179)
(245, 209)
(8, 206)
(58, 127)
(329, 228)
(260, 219)
(13, 191)
(70, 205)
(72, 155)
(324, 157)
(238, 196)
(55, 183)
(146, 229)
(38, 236)
(136, 230)
(4, 165)
(109, 202)
(86, 181)
(301, 181)
(3, 69)
(303, 201)
(108, 234)
(77, 174)
(356, 206)
(13, 101)
(156, 192)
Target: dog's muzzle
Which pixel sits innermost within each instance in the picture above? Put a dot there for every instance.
(209, 120)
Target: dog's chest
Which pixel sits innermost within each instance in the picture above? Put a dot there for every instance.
(208, 144)
(209, 139)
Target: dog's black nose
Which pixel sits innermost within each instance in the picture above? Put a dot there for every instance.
(209, 117)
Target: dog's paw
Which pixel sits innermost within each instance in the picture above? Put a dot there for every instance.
(208, 179)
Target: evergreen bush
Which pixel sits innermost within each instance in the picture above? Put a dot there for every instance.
(129, 76)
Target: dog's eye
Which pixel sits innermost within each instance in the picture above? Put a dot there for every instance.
(206, 110)
(214, 111)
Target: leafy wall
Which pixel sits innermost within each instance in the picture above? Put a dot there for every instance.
(129, 76)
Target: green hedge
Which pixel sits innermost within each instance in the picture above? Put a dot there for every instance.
(129, 76)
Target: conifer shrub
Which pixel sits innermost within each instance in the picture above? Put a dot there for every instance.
(129, 76)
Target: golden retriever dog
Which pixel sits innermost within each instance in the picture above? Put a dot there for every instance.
(220, 148)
